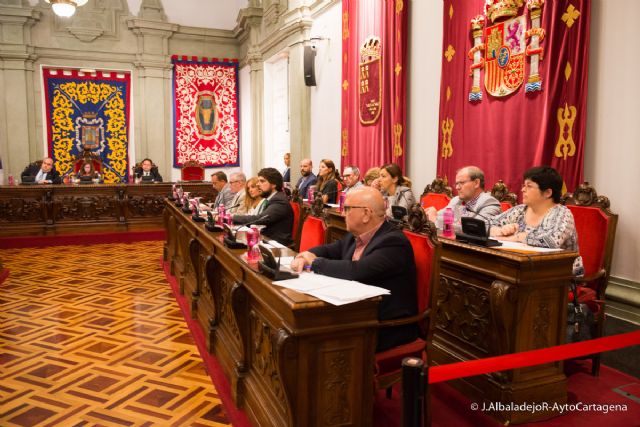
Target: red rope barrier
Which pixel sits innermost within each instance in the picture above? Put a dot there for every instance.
(471, 368)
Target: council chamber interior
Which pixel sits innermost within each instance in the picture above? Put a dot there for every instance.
(129, 296)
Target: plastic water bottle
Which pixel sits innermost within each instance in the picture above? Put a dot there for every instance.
(11, 180)
(447, 230)
(221, 214)
(343, 196)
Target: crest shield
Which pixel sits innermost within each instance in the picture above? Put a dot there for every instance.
(505, 56)
(370, 88)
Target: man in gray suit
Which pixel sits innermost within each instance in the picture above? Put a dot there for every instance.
(220, 183)
(471, 200)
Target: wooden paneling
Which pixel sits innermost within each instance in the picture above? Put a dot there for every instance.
(291, 360)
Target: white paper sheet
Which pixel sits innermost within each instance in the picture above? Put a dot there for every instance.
(523, 247)
(332, 290)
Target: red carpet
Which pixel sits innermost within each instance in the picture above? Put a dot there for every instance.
(236, 416)
(4, 273)
(81, 239)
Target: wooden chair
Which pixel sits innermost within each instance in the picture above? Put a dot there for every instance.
(314, 228)
(94, 159)
(192, 171)
(501, 192)
(437, 194)
(596, 228)
(427, 251)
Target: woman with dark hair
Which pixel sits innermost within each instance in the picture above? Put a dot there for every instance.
(88, 170)
(328, 181)
(395, 188)
(541, 220)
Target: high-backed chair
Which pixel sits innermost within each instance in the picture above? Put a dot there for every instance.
(426, 251)
(95, 160)
(296, 206)
(314, 229)
(192, 171)
(501, 192)
(596, 228)
(437, 194)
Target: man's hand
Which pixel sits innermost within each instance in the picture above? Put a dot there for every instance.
(302, 259)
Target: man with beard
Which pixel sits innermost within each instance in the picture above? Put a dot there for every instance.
(307, 179)
(276, 213)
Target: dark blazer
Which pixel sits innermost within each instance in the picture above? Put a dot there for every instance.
(153, 172)
(387, 262)
(277, 216)
(53, 175)
(286, 176)
(302, 190)
(331, 190)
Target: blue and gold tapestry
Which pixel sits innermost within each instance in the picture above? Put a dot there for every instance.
(88, 113)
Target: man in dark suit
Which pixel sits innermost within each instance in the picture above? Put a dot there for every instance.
(374, 253)
(307, 179)
(277, 213)
(45, 174)
(147, 169)
(286, 175)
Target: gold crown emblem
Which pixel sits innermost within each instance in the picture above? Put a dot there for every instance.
(89, 115)
(370, 49)
(495, 9)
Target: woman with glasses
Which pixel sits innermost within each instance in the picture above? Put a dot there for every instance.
(541, 220)
(396, 189)
(328, 183)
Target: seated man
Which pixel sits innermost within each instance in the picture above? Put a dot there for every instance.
(307, 178)
(147, 169)
(220, 183)
(237, 181)
(276, 212)
(471, 200)
(351, 178)
(45, 174)
(375, 253)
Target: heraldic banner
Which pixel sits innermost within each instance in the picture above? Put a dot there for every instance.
(206, 126)
(514, 88)
(88, 113)
(374, 70)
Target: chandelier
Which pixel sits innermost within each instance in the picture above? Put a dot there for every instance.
(65, 8)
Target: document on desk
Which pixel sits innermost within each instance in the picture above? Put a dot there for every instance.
(523, 247)
(332, 290)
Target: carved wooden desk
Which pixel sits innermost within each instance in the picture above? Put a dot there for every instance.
(51, 209)
(493, 302)
(291, 360)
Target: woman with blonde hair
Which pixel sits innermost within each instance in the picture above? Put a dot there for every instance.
(253, 198)
(328, 178)
(370, 178)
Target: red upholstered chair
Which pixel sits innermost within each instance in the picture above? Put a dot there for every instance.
(192, 171)
(93, 159)
(313, 231)
(501, 192)
(426, 252)
(596, 228)
(437, 194)
(295, 229)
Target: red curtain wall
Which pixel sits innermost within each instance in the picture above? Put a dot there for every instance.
(504, 136)
(384, 139)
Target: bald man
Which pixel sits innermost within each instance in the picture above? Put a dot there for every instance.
(375, 253)
(307, 179)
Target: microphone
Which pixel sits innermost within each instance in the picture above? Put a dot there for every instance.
(476, 230)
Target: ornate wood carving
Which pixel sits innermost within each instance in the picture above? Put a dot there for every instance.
(19, 210)
(317, 207)
(418, 221)
(464, 311)
(264, 359)
(86, 208)
(336, 390)
(151, 205)
(227, 317)
(541, 326)
(438, 185)
(586, 195)
(240, 307)
(502, 307)
(501, 192)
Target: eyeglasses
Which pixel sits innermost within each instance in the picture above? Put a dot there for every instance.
(347, 208)
(461, 183)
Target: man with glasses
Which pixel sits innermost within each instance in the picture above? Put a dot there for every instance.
(373, 252)
(471, 201)
(276, 212)
(237, 181)
(351, 178)
(46, 173)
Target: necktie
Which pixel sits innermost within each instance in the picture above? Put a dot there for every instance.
(41, 175)
(264, 206)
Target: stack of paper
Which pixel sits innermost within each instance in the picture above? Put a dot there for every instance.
(332, 290)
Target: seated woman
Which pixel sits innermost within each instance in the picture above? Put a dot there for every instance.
(328, 181)
(253, 199)
(87, 170)
(541, 220)
(395, 188)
